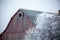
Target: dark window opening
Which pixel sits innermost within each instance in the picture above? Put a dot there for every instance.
(20, 15)
(23, 14)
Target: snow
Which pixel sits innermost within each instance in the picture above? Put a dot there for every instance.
(47, 28)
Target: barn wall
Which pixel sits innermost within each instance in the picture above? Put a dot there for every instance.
(17, 27)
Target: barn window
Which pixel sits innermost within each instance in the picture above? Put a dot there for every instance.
(20, 15)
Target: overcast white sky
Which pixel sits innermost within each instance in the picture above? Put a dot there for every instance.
(9, 7)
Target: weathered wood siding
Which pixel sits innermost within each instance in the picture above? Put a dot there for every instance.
(17, 27)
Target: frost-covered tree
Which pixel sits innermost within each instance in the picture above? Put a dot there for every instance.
(47, 28)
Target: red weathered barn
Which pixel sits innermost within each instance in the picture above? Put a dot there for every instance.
(19, 23)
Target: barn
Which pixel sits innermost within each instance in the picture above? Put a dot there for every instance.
(20, 22)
